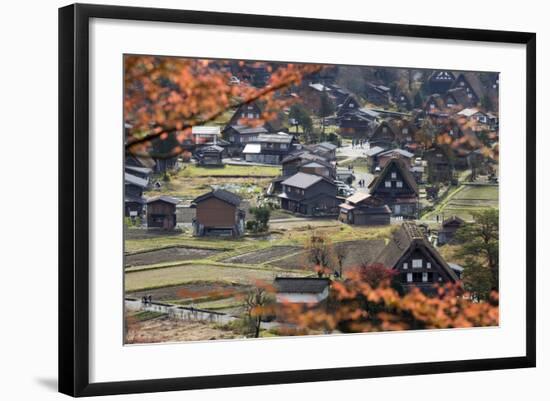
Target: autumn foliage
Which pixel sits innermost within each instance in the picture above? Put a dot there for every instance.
(164, 97)
(356, 306)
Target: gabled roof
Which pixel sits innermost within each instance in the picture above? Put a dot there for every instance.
(358, 197)
(303, 155)
(163, 198)
(221, 194)
(132, 179)
(245, 129)
(203, 129)
(299, 285)
(280, 137)
(409, 235)
(441, 75)
(404, 171)
(374, 151)
(468, 112)
(397, 151)
(460, 96)
(453, 219)
(303, 180)
(327, 145)
(212, 148)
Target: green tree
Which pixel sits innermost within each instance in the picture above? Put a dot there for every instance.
(477, 280)
(480, 243)
(299, 113)
(261, 218)
(418, 101)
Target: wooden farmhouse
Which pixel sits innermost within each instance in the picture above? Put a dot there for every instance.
(239, 135)
(418, 263)
(385, 156)
(210, 156)
(440, 167)
(133, 194)
(359, 124)
(440, 81)
(363, 209)
(377, 94)
(301, 290)
(269, 148)
(403, 100)
(307, 162)
(218, 213)
(386, 135)
(458, 98)
(396, 187)
(309, 194)
(448, 230)
(161, 212)
(206, 134)
(326, 150)
(349, 105)
(471, 85)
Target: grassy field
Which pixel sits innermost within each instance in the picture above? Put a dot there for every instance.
(465, 200)
(229, 170)
(192, 181)
(183, 274)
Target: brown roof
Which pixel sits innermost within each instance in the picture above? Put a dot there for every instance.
(408, 237)
(403, 169)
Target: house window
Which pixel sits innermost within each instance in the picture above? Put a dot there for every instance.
(424, 277)
(470, 95)
(351, 105)
(417, 263)
(428, 265)
(388, 184)
(283, 145)
(409, 277)
(405, 131)
(461, 83)
(385, 129)
(399, 184)
(243, 115)
(405, 266)
(393, 175)
(250, 115)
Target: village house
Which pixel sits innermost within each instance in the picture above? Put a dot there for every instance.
(206, 134)
(301, 290)
(345, 174)
(349, 105)
(448, 230)
(209, 156)
(386, 135)
(440, 167)
(218, 213)
(418, 263)
(161, 212)
(302, 161)
(326, 150)
(377, 94)
(385, 156)
(141, 172)
(133, 195)
(339, 94)
(372, 157)
(362, 208)
(309, 194)
(403, 100)
(269, 148)
(435, 104)
(358, 124)
(471, 85)
(396, 187)
(239, 135)
(440, 81)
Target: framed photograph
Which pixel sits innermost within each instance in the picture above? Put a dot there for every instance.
(250, 199)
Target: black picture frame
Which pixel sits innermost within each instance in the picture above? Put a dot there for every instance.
(74, 201)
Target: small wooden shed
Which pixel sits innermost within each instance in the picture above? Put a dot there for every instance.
(161, 212)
